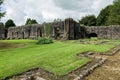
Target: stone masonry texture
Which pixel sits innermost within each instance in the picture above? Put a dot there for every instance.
(67, 29)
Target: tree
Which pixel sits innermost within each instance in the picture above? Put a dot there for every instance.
(114, 17)
(1, 13)
(103, 16)
(10, 23)
(89, 20)
(30, 21)
(57, 20)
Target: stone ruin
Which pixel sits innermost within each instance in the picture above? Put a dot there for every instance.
(2, 31)
(67, 29)
(104, 32)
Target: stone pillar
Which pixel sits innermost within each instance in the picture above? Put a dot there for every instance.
(69, 28)
(2, 31)
(34, 31)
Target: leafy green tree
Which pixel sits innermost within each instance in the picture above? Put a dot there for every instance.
(30, 21)
(114, 17)
(9, 23)
(89, 20)
(1, 13)
(57, 20)
(103, 16)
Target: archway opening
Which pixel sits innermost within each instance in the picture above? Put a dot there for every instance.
(6, 32)
(93, 35)
(29, 33)
(39, 33)
(22, 35)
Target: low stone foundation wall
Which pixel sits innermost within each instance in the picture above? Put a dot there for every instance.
(110, 52)
(99, 63)
(92, 68)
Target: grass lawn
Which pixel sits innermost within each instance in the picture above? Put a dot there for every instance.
(59, 58)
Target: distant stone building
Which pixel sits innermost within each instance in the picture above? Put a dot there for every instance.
(68, 29)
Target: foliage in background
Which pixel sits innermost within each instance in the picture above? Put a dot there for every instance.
(57, 20)
(89, 20)
(103, 16)
(2, 14)
(44, 41)
(30, 21)
(114, 18)
(9, 23)
(110, 15)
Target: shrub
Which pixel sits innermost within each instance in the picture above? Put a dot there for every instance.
(44, 41)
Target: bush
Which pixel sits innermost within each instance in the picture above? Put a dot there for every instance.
(45, 41)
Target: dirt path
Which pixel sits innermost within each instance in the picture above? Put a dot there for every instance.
(110, 70)
(4, 46)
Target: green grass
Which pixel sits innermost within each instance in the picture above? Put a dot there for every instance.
(59, 58)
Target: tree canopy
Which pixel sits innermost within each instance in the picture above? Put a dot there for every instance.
(89, 20)
(114, 17)
(57, 20)
(103, 16)
(9, 23)
(110, 15)
(1, 12)
(30, 21)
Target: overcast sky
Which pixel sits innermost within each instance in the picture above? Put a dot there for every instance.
(48, 10)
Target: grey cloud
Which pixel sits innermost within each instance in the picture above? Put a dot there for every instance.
(75, 5)
(43, 10)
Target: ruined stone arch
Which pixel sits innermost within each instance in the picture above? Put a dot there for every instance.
(29, 31)
(39, 32)
(57, 32)
(93, 35)
(6, 33)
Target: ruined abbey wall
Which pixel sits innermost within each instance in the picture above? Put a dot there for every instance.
(35, 31)
(25, 32)
(105, 32)
(68, 29)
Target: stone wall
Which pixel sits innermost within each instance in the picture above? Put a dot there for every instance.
(35, 31)
(73, 30)
(2, 31)
(68, 29)
(105, 32)
(25, 32)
